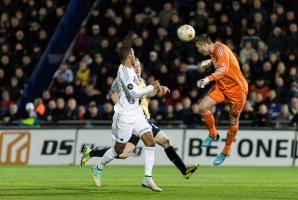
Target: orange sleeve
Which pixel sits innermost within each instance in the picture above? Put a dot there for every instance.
(222, 61)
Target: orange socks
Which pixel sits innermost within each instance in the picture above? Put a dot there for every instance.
(209, 122)
(230, 138)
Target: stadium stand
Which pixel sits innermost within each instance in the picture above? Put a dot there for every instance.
(264, 35)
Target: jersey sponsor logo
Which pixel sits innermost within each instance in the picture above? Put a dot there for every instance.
(14, 147)
(130, 86)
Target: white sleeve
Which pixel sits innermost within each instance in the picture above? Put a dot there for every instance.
(115, 86)
(131, 86)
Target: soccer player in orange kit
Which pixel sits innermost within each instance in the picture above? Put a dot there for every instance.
(229, 85)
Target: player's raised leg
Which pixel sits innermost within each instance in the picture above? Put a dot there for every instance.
(236, 105)
(88, 153)
(205, 107)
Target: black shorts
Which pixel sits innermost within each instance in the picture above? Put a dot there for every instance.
(135, 139)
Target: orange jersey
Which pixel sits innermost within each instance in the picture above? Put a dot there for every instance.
(228, 76)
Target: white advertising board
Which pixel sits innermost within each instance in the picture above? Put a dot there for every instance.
(52, 147)
(64, 147)
(251, 148)
(42, 147)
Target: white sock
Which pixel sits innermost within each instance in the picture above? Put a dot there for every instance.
(149, 160)
(107, 157)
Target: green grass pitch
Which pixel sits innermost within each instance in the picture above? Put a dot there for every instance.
(123, 182)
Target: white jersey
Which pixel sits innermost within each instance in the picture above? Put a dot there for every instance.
(126, 86)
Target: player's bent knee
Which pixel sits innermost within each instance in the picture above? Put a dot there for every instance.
(202, 108)
(162, 139)
(119, 148)
(148, 139)
(166, 143)
(150, 143)
(119, 151)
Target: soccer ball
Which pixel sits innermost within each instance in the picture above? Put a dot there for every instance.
(186, 33)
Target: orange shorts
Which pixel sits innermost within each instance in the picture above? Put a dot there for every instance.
(236, 101)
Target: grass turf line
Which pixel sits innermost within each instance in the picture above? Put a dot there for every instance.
(123, 182)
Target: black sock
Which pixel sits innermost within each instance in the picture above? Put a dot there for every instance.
(98, 153)
(173, 156)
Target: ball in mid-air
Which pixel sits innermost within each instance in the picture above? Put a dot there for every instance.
(186, 33)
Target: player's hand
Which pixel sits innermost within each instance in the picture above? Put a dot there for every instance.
(164, 89)
(205, 63)
(202, 82)
(156, 84)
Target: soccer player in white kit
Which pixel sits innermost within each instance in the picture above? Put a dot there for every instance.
(129, 119)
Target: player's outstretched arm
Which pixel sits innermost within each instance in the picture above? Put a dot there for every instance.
(132, 87)
(162, 90)
(205, 63)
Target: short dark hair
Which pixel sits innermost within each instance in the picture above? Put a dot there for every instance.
(124, 52)
(203, 38)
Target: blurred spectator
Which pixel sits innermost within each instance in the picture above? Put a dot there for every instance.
(276, 42)
(246, 51)
(22, 79)
(83, 73)
(284, 114)
(250, 35)
(166, 13)
(71, 109)
(155, 110)
(260, 87)
(6, 101)
(93, 113)
(262, 50)
(108, 111)
(94, 39)
(67, 73)
(46, 97)
(51, 111)
(154, 63)
(273, 104)
(263, 35)
(81, 113)
(174, 98)
(10, 117)
(69, 92)
(186, 112)
(294, 106)
(82, 41)
(224, 113)
(281, 91)
(248, 112)
(39, 108)
(14, 89)
(262, 118)
(60, 113)
(292, 38)
(30, 109)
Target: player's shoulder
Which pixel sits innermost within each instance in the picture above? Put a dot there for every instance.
(220, 48)
(124, 72)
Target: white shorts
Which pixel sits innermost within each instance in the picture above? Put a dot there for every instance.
(125, 125)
